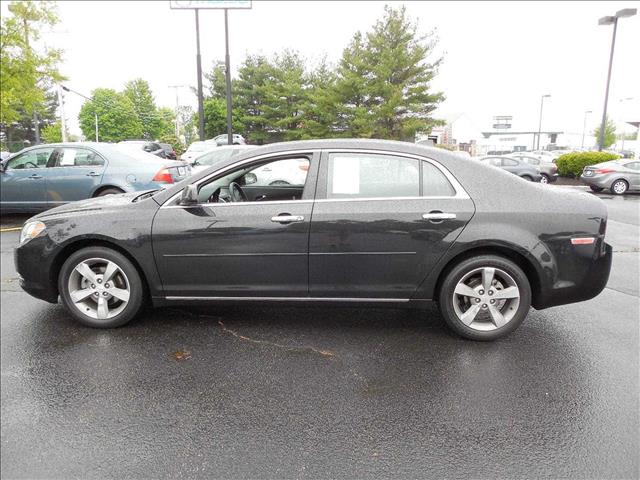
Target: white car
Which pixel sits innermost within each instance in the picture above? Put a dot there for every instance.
(217, 155)
(196, 149)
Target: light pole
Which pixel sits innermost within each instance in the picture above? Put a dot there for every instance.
(626, 12)
(540, 122)
(584, 125)
(95, 114)
(176, 87)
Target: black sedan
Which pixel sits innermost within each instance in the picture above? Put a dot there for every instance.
(360, 222)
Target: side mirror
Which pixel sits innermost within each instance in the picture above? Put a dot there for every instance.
(250, 178)
(189, 195)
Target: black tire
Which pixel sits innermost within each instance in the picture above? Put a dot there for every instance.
(135, 285)
(527, 178)
(595, 189)
(109, 191)
(457, 272)
(620, 185)
(544, 178)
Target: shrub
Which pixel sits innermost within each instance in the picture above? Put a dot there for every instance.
(571, 164)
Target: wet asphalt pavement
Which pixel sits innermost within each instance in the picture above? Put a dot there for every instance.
(325, 392)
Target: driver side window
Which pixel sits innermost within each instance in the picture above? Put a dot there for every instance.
(274, 180)
(37, 158)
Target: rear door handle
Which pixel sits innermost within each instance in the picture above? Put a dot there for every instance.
(35, 177)
(93, 174)
(438, 216)
(286, 218)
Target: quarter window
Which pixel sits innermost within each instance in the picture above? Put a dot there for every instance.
(32, 159)
(434, 182)
(365, 175)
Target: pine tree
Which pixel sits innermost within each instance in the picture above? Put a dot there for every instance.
(139, 92)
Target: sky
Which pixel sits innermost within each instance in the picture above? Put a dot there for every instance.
(499, 57)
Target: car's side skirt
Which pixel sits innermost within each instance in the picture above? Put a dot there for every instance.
(289, 299)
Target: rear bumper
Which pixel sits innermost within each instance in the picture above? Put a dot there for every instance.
(592, 280)
(602, 181)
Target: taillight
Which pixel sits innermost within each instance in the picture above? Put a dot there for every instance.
(604, 170)
(163, 176)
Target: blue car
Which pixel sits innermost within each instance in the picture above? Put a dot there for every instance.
(45, 176)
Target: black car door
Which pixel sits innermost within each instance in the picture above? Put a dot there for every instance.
(247, 248)
(380, 223)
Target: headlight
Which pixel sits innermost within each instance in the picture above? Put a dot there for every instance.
(31, 230)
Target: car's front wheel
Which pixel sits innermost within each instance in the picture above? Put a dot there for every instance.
(619, 187)
(100, 287)
(485, 297)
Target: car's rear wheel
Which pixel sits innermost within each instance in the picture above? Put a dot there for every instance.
(109, 191)
(619, 187)
(595, 189)
(485, 297)
(544, 178)
(100, 287)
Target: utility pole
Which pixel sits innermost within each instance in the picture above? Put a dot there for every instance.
(227, 62)
(176, 87)
(63, 124)
(584, 125)
(199, 68)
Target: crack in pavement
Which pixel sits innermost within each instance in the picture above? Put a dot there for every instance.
(324, 353)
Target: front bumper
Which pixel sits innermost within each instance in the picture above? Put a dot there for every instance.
(34, 270)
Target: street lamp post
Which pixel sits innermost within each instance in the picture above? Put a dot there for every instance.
(95, 114)
(540, 122)
(584, 125)
(626, 12)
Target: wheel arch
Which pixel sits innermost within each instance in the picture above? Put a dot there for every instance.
(73, 247)
(102, 188)
(506, 251)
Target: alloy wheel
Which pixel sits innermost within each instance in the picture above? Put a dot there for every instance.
(486, 298)
(99, 288)
(619, 187)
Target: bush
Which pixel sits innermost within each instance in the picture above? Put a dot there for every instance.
(571, 164)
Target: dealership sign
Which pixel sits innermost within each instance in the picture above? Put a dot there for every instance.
(186, 4)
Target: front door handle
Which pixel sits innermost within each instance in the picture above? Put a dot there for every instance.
(286, 218)
(35, 176)
(438, 216)
(93, 174)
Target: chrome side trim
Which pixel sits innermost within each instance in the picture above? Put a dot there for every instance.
(362, 253)
(234, 204)
(232, 254)
(377, 199)
(293, 299)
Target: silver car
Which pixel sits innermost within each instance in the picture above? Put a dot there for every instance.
(522, 169)
(548, 170)
(619, 176)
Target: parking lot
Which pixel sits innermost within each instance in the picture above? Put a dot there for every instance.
(248, 392)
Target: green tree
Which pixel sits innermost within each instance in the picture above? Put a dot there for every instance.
(384, 80)
(117, 117)
(320, 109)
(27, 72)
(52, 133)
(188, 121)
(217, 81)
(167, 122)
(139, 92)
(254, 78)
(609, 133)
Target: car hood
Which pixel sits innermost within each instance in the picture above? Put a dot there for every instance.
(91, 205)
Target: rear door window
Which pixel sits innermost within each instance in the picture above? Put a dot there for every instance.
(367, 175)
(78, 157)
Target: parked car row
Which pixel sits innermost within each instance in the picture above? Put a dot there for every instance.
(46, 176)
(197, 148)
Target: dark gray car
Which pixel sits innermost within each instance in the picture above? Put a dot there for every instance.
(520, 168)
(366, 222)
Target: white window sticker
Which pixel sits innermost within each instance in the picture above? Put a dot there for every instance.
(68, 158)
(346, 175)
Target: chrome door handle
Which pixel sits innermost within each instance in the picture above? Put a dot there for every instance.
(438, 216)
(93, 174)
(35, 177)
(287, 218)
